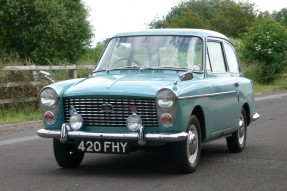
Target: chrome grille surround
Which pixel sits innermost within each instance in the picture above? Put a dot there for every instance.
(93, 115)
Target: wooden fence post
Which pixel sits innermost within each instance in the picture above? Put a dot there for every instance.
(73, 73)
(33, 73)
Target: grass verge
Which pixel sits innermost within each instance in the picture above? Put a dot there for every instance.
(277, 85)
(13, 115)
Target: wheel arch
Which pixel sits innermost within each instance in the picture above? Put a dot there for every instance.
(198, 112)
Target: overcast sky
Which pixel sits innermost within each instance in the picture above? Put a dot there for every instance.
(109, 17)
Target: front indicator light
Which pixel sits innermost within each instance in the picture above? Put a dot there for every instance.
(166, 120)
(49, 117)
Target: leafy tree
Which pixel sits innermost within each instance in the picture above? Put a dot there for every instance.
(225, 16)
(281, 16)
(265, 43)
(44, 31)
(93, 55)
(187, 19)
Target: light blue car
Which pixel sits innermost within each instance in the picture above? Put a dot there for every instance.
(160, 88)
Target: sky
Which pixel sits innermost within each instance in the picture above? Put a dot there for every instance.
(109, 17)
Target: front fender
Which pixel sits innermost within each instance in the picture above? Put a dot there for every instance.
(60, 88)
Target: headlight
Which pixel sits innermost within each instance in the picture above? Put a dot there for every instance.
(165, 99)
(49, 97)
(134, 122)
(76, 121)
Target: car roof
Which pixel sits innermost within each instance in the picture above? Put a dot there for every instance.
(184, 32)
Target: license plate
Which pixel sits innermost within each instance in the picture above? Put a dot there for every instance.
(116, 147)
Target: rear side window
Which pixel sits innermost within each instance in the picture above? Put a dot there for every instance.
(216, 58)
(231, 59)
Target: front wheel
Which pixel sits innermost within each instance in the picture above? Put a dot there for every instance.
(66, 155)
(187, 153)
(236, 142)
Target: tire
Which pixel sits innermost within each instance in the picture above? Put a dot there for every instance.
(236, 142)
(66, 154)
(187, 154)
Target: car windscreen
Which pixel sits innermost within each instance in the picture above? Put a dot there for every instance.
(184, 52)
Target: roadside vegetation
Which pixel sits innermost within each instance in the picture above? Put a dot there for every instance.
(52, 32)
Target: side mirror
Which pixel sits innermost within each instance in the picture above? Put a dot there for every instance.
(46, 76)
(186, 76)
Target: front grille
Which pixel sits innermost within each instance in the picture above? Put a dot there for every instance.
(91, 111)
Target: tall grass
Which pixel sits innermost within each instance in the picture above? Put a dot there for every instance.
(277, 85)
(25, 112)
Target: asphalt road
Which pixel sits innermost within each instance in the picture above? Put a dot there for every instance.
(27, 162)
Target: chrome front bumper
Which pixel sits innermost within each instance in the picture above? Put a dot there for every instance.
(140, 136)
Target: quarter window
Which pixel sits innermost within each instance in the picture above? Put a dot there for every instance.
(231, 59)
(216, 57)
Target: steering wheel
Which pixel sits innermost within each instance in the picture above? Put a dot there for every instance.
(119, 60)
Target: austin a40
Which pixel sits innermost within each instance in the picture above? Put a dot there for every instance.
(172, 89)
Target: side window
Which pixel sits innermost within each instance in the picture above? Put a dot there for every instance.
(216, 57)
(231, 59)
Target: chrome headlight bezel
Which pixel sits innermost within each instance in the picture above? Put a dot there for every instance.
(166, 103)
(49, 101)
(166, 99)
(49, 97)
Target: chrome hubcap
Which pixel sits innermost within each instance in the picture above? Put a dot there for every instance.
(192, 144)
(241, 130)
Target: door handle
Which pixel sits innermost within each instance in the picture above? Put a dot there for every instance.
(236, 84)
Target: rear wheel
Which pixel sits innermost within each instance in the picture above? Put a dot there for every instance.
(236, 142)
(187, 153)
(66, 155)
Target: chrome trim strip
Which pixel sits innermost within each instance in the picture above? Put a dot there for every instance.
(255, 116)
(208, 95)
(119, 136)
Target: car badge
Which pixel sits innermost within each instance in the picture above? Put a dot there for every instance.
(106, 107)
(72, 110)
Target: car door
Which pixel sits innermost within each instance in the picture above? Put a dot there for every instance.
(224, 88)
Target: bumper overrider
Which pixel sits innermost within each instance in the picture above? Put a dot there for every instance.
(65, 134)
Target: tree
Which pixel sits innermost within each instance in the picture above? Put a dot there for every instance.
(44, 31)
(187, 19)
(93, 55)
(225, 16)
(281, 16)
(265, 43)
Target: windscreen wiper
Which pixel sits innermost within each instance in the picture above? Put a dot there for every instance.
(129, 67)
(170, 68)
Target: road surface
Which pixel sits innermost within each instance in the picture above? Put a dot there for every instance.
(27, 161)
